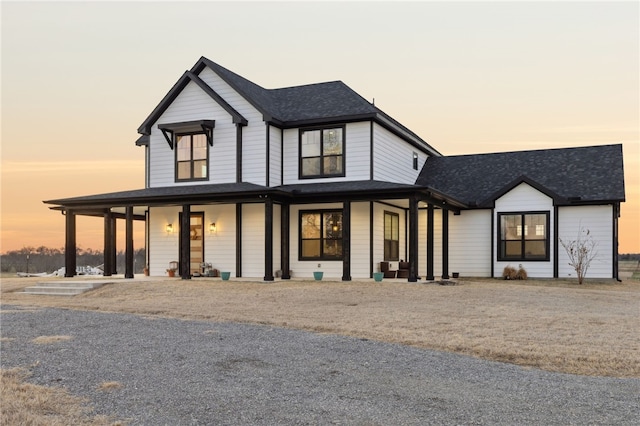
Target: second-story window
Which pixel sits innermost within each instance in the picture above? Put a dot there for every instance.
(192, 157)
(322, 152)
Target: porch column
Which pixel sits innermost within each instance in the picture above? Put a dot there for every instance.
(285, 235)
(430, 276)
(108, 238)
(445, 244)
(268, 239)
(238, 240)
(114, 250)
(346, 241)
(128, 268)
(185, 242)
(70, 244)
(413, 239)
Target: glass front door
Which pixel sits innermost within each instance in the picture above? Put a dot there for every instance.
(196, 242)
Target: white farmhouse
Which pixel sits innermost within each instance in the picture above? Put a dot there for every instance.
(274, 182)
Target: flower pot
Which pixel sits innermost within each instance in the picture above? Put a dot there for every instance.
(377, 276)
(225, 275)
(318, 275)
(456, 274)
(171, 273)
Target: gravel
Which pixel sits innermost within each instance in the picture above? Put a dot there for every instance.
(177, 372)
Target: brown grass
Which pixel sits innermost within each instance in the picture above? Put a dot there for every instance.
(555, 325)
(47, 340)
(27, 404)
(107, 386)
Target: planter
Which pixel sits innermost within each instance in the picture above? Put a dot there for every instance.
(225, 275)
(146, 272)
(377, 276)
(171, 273)
(455, 274)
(318, 275)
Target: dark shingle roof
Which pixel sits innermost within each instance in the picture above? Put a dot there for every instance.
(292, 106)
(586, 174)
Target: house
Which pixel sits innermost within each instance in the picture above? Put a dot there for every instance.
(280, 182)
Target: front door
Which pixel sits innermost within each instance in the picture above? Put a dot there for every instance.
(196, 242)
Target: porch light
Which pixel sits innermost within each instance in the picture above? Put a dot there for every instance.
(169, 228)
(212, 227)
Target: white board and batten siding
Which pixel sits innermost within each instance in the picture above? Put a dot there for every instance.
(525, 198)
(356, 151)
(393, 158)
(598, 220)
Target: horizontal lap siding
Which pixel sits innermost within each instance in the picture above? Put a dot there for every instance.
(275, 156)
(360, 225)
(470, 243)
(193, 104)
(524, 198)
(253, 240)
(393, 158)
(599, 221)
(378, 235)
(253, 135)
(356, 152)
(219, 247)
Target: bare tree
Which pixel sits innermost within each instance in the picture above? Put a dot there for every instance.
(581, 252)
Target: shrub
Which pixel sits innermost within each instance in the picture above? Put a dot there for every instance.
(509, 273)
(521, 274)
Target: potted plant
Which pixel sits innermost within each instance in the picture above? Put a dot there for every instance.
(146, 270)
(172, 272)
(317, 275)
(225, 275)
(377, 276)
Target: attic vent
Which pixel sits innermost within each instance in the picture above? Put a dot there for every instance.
(206, 126)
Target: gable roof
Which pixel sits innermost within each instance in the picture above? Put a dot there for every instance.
(569, 175)
(312, 104)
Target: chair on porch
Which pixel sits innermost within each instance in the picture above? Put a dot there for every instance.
(403, 270)
(388, 273)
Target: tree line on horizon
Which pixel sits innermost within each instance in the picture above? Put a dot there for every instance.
(47, 259)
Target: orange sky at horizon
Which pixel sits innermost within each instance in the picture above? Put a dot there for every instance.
(74, 90)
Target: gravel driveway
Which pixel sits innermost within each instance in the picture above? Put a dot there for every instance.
(176, 372)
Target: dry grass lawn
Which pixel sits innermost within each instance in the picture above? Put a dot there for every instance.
(554, 325)
(27, 404)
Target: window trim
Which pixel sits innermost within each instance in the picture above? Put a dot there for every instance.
(384, 239)
(322, 175)
(522, 257)
(175, 158)
(322, 256)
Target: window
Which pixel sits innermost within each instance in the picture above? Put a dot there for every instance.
(192, 157)
(523, 236)
(391, 236)
(321, 235)
(322, 153)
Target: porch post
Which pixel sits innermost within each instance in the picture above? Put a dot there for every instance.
(114, 250)
(346, 241)
(430, 276)
(108, 238)
(238, 240)
(70, 244)
(128, 269)
(268, 239)
(185, 242)
(413, 239)
(445, 244)
(285, 235)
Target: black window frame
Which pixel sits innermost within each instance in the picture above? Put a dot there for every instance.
(322, 174)
(191, 161)
(501, 246)
(391, 243)
(322, 237)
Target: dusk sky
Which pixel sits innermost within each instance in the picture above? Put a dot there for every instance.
(78, 78)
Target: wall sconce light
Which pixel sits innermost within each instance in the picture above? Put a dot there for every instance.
(169, 228)
(212, 227)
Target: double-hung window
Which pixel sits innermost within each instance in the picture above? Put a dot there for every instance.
(322, 152)
(391, 236)
(523, 236)
(321, 235)
(192, 157)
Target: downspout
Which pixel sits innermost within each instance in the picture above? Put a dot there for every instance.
(616, 242)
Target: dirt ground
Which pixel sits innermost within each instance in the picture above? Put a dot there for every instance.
(554, 325)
